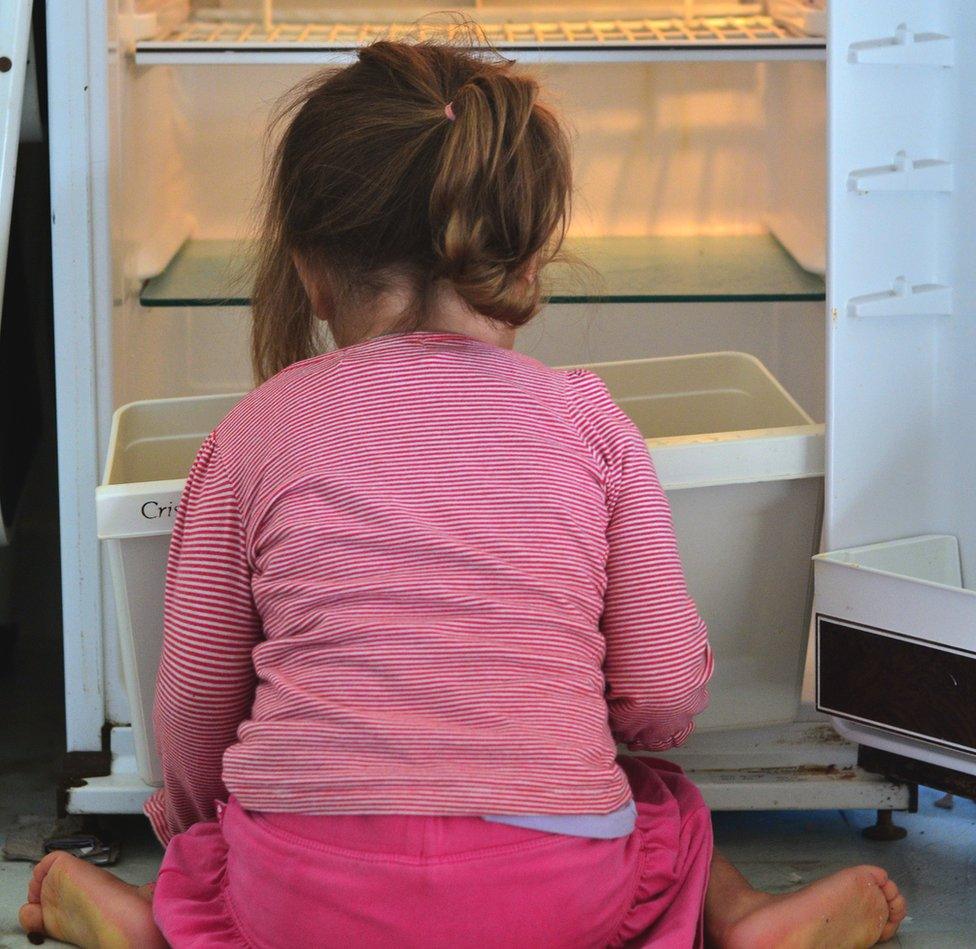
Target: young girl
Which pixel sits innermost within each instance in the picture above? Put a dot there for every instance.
(421, 586)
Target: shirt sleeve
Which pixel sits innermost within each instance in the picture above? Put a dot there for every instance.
(658, 660)
(205, 683)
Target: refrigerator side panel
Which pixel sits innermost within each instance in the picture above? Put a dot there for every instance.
(894, 596)
(77, 63)
(15, 25)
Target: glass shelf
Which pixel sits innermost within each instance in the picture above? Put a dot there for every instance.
(752, 38)
(746, 268)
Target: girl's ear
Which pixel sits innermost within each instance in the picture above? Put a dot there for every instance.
(313, 287)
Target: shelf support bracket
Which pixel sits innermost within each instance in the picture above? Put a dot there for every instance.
(905, 48)
(904, 174)
(135, 27)
(904, 299)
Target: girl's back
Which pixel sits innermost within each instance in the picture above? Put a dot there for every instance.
(425, 520)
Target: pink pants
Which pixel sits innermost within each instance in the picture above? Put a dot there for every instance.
(275, 881)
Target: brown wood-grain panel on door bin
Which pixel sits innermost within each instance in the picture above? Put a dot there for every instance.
(896, 682)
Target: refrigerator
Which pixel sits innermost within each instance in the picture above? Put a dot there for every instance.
(784, 179)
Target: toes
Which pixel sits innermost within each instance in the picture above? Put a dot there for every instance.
(890, 890)
(888, 932)
(40, 872)
(877, 874)
(31, 918)
(897, 909)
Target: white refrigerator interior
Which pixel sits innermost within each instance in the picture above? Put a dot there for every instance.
(702, 177)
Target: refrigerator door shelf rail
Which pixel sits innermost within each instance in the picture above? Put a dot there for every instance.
(904, 174)
(905, 48)
(751, 38)
(904, 299)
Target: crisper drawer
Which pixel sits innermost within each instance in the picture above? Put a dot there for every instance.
(741, 463)
(151, 448)
(742, 466)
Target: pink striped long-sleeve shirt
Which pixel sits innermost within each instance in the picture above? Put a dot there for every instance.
(421, 575)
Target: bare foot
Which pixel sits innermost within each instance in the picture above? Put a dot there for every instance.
(852, 909)
(86, 906)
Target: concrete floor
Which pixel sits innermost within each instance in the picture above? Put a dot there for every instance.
(935, 865)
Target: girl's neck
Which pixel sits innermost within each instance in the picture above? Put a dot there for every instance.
(477, 327)
(449, 314)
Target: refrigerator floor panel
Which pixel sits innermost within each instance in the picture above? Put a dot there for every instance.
(800, 766)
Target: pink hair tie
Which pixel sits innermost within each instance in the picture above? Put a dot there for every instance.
(449, 111)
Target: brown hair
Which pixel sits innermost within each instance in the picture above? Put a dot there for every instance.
(372, 182)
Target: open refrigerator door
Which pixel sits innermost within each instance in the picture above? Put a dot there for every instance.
(895, 599)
